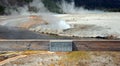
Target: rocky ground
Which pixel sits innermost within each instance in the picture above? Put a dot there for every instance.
(80, 58)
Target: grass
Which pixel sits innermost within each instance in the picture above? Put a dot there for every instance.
(27, 52)
(74, 58)
(7, 55)
(30, 52)
(52, 64)
(78, 55)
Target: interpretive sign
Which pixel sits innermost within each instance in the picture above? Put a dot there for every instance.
(61, 46)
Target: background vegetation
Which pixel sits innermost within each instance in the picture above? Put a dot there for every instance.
(2, 9)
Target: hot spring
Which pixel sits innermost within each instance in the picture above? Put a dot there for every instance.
(75, 22)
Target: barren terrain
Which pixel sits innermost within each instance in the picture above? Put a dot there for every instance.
(45, 58)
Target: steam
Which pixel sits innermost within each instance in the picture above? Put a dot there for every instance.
(55, 23)
(14, 22)
(35, 7)
(70, 8)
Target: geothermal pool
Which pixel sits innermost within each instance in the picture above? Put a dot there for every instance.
(90, 25)
(93, 25)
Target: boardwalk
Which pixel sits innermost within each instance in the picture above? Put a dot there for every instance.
(44, 45)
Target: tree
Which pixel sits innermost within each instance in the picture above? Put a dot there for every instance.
(2, 10)
(52, 6)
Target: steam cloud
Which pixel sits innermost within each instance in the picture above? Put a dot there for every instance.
(70, 8)
(38, 8)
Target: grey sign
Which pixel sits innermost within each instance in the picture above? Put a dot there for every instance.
(61, 46)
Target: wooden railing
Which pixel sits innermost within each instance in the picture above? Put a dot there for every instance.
(44, 45)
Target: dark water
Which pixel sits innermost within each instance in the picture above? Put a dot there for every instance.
(20, 33)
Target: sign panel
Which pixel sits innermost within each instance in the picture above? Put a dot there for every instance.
(61, 46)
